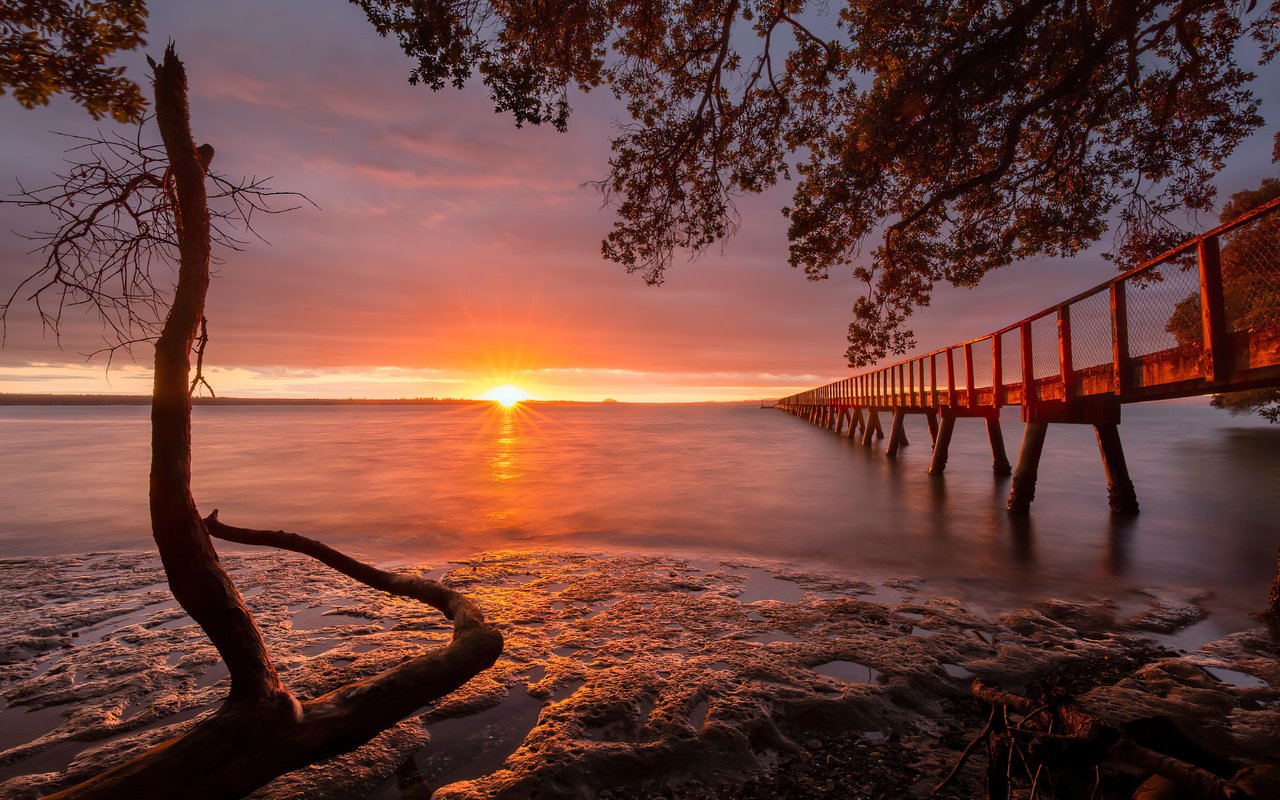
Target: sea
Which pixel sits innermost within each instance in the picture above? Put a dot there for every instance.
(405, 484)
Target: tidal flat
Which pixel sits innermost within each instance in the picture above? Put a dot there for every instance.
(623, 675)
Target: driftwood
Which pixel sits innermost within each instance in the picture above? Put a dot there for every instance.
(1024, 739)
(249, 742)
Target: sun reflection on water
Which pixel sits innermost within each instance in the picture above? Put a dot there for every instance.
(505, 459)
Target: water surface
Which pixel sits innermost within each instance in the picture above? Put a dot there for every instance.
(424, 483)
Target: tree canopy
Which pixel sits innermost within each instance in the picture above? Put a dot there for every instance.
(1250, 293)
(927, 143)
(56, 46)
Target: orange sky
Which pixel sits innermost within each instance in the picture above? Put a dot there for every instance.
(453, 253)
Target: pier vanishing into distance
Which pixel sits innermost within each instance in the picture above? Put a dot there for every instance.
(1202, 318)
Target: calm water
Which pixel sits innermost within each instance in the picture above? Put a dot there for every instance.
(409, 483)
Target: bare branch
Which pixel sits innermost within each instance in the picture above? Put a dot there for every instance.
(112, 248)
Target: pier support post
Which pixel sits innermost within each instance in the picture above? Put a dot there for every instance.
(932, 418)
(1024, 478)
(999, 459)
(941, 444)
(839, 421)
(896, 435)
(869, 430)
(1120, 493)
(855, 422)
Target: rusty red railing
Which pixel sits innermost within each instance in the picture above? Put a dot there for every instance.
(1201, 318)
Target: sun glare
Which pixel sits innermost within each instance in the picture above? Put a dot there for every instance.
(507, 396)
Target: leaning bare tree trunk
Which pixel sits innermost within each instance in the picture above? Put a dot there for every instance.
(196, 577)
(262, 731)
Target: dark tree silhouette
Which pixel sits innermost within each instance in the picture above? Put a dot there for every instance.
(1250, 293)
(958, 135)
(55, 46)
(948, 138)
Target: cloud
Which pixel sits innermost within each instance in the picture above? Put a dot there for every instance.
(452, 246)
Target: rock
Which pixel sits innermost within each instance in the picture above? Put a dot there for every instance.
(1260, 781)
(1158, 787)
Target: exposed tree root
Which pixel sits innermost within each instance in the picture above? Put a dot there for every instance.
(250, 741)
(1036, 740)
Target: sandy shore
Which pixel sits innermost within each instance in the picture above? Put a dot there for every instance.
(624, 676)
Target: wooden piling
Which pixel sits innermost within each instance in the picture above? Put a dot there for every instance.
(999, 459)
(932, 418)
(896, 434)
(839, 421)
(1024, 478)
(855, 422)
(1120, 492)
(869, 431)
(942, 444)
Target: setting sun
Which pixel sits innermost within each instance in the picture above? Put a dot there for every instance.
(507, 396)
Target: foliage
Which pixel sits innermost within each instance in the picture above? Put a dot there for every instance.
(961, 136)
(954, 137)
(1250, 262)
(52, 46)
(1266, 402)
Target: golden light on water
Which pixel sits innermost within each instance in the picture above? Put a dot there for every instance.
(507, 395)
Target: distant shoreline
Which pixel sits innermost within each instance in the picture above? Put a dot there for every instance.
(16, 399)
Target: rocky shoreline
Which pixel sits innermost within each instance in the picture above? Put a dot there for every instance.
(624, 676)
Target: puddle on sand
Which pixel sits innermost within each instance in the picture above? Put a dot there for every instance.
(1236, 678)
(698, 715)
(769, 637)
(463, 748)
(534, 673)
(58, 756)
(19, 724)
(848, 671)
(100, 630)
(216, 673)
(884, 595)
(762, 584)
(322, 616)
(319, 646)
(1193, 637)
(563, 690)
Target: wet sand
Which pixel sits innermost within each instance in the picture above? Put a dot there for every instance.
(623, 675)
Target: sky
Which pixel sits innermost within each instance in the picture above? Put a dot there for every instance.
(452, 253)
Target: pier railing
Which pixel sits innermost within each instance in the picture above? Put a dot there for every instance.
(1201, 318)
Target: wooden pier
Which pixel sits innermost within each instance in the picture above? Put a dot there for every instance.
(1202, 318)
